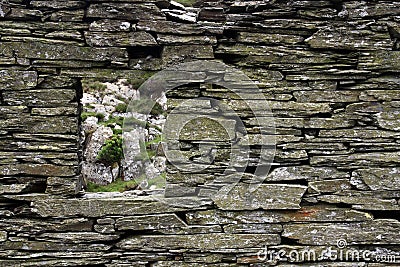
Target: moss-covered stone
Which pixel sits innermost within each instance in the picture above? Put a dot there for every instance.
(120, 39)
(266, 196)
(377, 232)
(36, 50)
(202, 242)
(14, 79)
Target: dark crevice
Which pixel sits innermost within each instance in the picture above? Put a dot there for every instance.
(229, 58)
(181, 215)
(289, 241)
(395, 36)
(294, 182)
(384, 214)
(2, 98)
(135, 52)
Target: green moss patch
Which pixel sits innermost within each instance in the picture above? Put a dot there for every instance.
(116, 186)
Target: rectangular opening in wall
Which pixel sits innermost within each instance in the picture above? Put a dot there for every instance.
(114, 159)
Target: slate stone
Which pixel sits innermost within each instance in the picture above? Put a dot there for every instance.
(319, 213)
(202, 242)
(14, 79)
(150, 222)
(379, 178)
(40, 98)
(344, 37)
(97, 207)
(120, 39)
(36, 50)
(264, 197)
(377, 232)
(125, 11)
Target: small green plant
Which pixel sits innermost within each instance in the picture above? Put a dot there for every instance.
(113, 120)
(117, 186)
(93, 85)
(111, 152)
(117, 131)
(85, 115)
(136, 82)
(121, 107)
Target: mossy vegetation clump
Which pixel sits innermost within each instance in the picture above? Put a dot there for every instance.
(111, 152)
(117, 186)
(85, 115)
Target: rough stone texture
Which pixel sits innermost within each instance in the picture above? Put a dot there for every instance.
(331, 75)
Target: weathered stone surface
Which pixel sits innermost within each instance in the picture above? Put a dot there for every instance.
(306, 173)
(34, 226)
(76, 237)
(264, 197)
(358, 133)
(290, 108)
(290, 155)
(266, 55)
(14, 79)
(120, 39)
(252, 228)
(326, 96)
(379, 60)
(41, 98)
(107, 25)
(170, 27)
(363, 9)
(184, 40)
(203, 242)
(210, 129)
(329, 186)
(51, 51)
(40, 142)
(259, 38)
(37, 169)
(41, 124)
(359, 159)
(364, 200)
(3, 236)
(306, 214)
(150, 222)
(389, 119)
(97, 207)
(125, 11)
(344, 37)
(63, 186)
(58, 260)
(376, 232)
(58, 111)
(63, 4)
(26, 245)
(177, 53)
(380, 178)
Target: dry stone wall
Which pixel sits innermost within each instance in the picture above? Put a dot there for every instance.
(330, 71)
